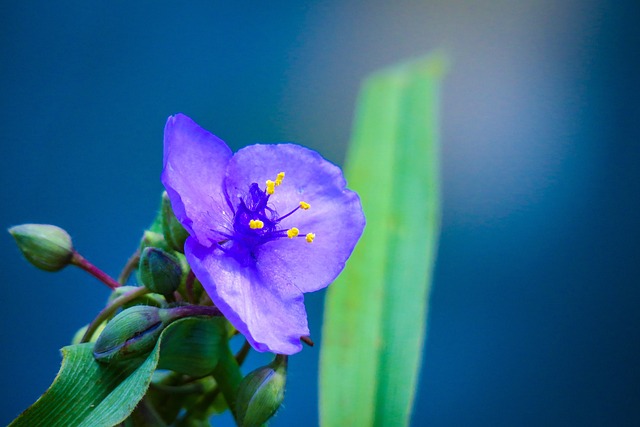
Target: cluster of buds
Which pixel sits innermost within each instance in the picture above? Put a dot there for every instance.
(129, 328)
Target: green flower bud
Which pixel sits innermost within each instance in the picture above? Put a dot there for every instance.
(261, 392)
(152, 239)
(159, 271)
(134, 331)
(46, 246)
(131, 334)
(174, 232)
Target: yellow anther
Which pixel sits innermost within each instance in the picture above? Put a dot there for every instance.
(256, 223)
(279, 178)
(292, 232)
(309, 238)
(271, 187)
(304, 205)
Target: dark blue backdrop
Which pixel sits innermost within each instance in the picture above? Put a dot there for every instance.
(534, 317)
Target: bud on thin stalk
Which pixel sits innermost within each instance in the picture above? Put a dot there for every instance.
(45, 246)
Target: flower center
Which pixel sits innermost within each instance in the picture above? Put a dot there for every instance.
(256, 221)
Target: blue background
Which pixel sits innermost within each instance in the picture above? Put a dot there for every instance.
(534, 314)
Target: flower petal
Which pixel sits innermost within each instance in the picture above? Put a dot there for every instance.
(270, 316)
(193, 174)
(335, 215)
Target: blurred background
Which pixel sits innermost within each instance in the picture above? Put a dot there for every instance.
(534, 314)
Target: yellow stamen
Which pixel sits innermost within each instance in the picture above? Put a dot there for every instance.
(309, 238)
(271, 187)
(279, 178)
(292, 232)
(305, 205)
(255, 223)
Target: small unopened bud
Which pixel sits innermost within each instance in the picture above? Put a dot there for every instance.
(174, 232)
(159, 271)
(261, 392)
(132, 333)
(152, 239)
(46, 246)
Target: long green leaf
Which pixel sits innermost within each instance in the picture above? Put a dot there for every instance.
(86, 393)
(375, 313)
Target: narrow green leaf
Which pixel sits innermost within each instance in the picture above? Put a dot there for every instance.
(86, 393)
(375, 313)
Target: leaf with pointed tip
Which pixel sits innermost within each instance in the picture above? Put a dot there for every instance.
(86, 393)
(375, 313)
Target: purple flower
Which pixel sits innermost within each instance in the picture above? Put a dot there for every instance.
(266, 224)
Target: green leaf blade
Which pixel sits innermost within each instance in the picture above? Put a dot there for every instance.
(86, 393)
(375, 313)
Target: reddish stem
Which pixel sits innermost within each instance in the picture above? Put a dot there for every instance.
(80, 261)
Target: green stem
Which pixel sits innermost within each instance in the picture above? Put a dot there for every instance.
(131, 265)
(203, 406)
(228, 376)
(242, 354)
(110, 309)
(80, 261)
(189, 286)
(146, 415)
(179, 389)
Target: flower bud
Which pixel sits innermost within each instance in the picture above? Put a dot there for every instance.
(159, 271)
(261, 392)
(132, 333)
(174, 232)
(46, 246)
(152, 239)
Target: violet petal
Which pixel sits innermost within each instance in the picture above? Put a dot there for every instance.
(335, 216)
(194, 167)
(271, 316)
